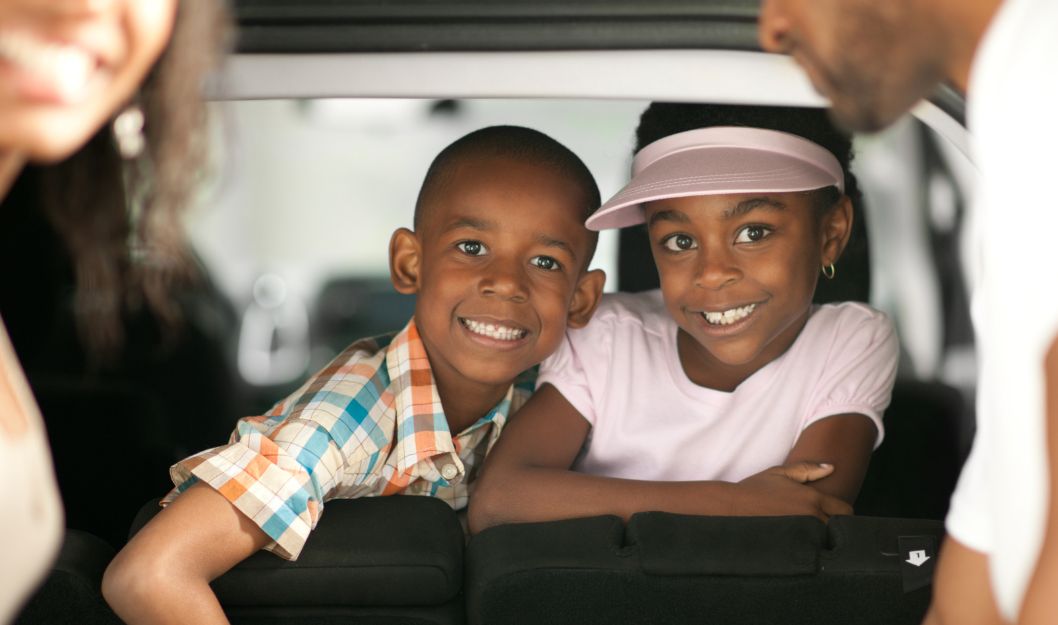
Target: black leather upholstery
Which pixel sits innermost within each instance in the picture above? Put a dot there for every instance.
(381, 560)
(666, 568)
(913, 473)
(70, 594)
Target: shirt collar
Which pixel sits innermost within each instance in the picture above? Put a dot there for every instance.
(422, 430)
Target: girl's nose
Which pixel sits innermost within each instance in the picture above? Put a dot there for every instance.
(773, 28)
(716, 269)
(506, 280)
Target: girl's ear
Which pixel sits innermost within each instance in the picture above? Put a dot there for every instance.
(586, 296)
(405, 254)
(835, 229)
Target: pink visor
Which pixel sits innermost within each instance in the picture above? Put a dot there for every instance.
(719, 160)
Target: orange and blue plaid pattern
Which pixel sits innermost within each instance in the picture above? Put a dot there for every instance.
(369, 423)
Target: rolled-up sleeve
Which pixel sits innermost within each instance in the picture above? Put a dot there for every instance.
(322, 442)
(278, 482)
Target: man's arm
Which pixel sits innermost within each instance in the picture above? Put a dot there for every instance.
(962, 585)
(1041, 599)
(962, 590)
(527, 477)
(162, 575)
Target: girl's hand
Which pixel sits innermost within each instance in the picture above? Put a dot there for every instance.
(781, 491)
(803, 472)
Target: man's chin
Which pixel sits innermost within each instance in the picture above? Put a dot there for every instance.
(848, 109)
(860, 107)
(854, 117)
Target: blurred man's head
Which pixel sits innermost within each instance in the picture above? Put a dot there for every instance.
(874, 59)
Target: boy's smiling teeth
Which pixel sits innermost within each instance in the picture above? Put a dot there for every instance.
(492, 330)
(729, 316)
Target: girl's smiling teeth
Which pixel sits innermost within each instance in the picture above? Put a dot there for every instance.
(65, 69)
(727, 317)
(493, 330)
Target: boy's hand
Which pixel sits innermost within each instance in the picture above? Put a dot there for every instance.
(781, 491)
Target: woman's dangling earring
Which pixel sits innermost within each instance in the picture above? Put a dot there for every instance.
(828, 271)
(128, 131)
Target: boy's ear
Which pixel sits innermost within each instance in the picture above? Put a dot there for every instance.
(836, 227)
(405, 257)
(586, 296)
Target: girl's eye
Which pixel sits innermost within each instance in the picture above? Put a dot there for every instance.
(752, 234)
(546, 263)
(679, 243)
(472, 248)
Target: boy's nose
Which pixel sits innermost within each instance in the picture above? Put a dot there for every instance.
(773, 28)
(716, 270)
(505, 280)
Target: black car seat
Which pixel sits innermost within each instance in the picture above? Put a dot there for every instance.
(70, 593)
(377, 560)
(666, 569)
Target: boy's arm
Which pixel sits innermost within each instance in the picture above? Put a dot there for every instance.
(162, 575)
(526, 477)
(844, 441)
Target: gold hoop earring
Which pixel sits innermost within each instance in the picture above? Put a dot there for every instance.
(829, 271)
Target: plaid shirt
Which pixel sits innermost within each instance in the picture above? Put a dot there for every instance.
(369, 423)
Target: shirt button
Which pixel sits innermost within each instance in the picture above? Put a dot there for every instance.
(449, 471)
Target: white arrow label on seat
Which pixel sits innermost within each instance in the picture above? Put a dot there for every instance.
(918, 558)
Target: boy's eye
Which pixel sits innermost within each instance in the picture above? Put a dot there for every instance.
(752, 234)
(679, 243)
(546, 263)
(472, 248)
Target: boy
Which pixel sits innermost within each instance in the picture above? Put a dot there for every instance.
(498, 262)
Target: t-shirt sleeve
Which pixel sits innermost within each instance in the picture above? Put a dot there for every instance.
(862, 354)
(968, 518)
(279, 468)
(568, 368)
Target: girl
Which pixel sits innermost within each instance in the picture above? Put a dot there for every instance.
(727, 392)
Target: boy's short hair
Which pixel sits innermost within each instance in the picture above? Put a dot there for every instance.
(515, 142)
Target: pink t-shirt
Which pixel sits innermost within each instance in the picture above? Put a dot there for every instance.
(650, 422)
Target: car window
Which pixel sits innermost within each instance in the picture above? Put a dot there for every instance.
(294, 222)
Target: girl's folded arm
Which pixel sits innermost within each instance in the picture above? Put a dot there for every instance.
(844, 441)
(527, 477)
